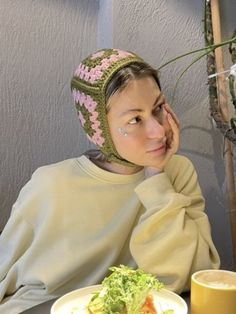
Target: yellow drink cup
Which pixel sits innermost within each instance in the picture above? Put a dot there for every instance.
(213, 292)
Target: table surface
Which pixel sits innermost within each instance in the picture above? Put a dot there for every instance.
(44, 308)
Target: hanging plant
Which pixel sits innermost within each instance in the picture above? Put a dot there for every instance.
(227, 129)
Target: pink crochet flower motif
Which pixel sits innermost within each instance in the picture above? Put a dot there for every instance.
(94, 74)
(90, 105)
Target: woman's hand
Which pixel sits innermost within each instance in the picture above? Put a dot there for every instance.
(172, 143)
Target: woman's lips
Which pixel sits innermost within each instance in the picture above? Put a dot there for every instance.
(158, 150)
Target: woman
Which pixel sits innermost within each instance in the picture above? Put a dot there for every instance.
(132, 202)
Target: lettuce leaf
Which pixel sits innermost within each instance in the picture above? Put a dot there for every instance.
(124, 290)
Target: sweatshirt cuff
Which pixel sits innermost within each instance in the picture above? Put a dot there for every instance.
(155, 190)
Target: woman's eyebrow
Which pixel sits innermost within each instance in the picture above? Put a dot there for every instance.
(159, 100)
(159, 97)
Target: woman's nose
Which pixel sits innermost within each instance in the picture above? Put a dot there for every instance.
(155, 129)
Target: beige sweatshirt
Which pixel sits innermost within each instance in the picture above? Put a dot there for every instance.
(73, 220)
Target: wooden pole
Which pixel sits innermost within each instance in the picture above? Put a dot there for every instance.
(223, 105)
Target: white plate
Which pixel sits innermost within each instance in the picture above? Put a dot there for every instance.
(79, 299)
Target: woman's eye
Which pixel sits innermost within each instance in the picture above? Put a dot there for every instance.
(135, 120)
(158, 110)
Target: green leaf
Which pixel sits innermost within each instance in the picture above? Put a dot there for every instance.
(125, 289)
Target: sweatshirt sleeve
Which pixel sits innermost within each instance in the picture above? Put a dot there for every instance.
(173, 236)
(16, 241)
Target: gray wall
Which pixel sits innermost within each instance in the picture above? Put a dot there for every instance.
(41, 44)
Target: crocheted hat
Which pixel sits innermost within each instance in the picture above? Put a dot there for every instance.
(89, 88)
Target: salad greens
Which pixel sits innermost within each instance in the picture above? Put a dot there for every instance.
(125, 290)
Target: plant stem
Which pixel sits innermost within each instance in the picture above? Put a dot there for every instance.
(185, 70)
(207, 48)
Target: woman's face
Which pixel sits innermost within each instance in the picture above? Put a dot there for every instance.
(138, 122)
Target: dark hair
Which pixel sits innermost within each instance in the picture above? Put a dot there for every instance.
(130, 72)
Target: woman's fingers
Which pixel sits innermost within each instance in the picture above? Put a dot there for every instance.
(170, 111)
(174, 125)
(175, 132)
